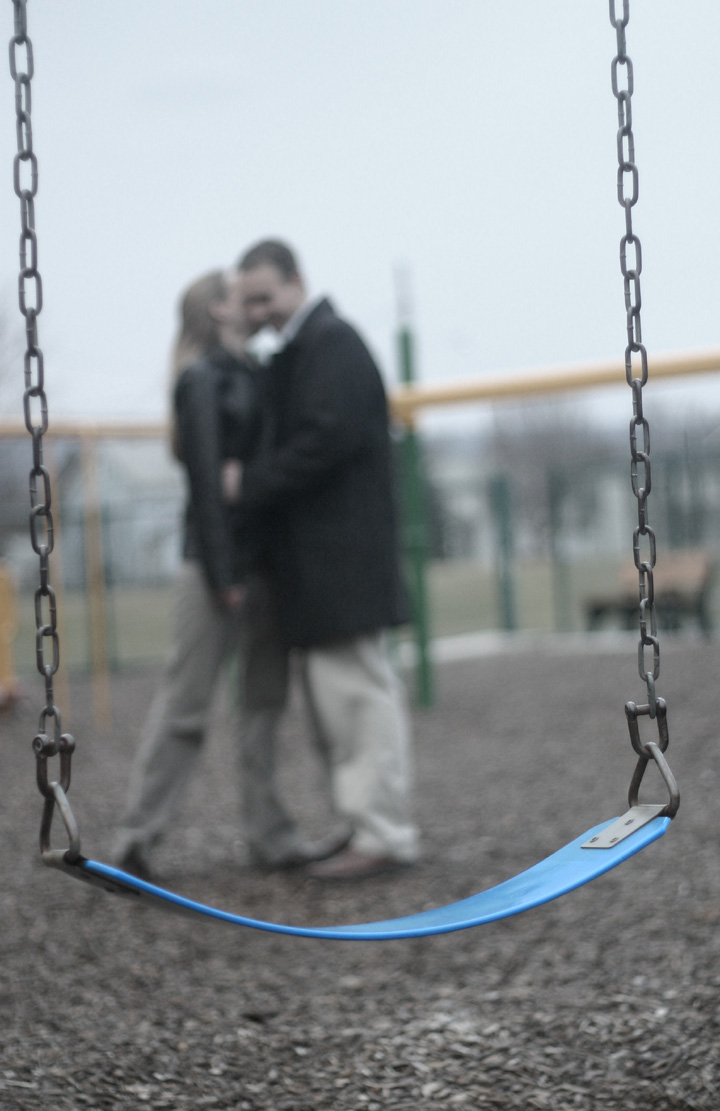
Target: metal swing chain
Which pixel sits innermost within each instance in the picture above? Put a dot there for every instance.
(636, 362)
(25, 178)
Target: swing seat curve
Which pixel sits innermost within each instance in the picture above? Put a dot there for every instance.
(568, 868)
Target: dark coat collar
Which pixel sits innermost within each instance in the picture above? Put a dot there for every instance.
(322, 313)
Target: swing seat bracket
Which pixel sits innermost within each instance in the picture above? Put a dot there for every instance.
(635, 818)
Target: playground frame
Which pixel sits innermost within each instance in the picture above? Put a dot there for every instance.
(406, 403)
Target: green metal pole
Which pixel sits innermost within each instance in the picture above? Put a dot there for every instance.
(415, 531)
(557, 486)
(502, 510)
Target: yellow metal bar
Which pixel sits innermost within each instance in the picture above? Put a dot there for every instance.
(9, 690)
(405, 401)
(87, 430)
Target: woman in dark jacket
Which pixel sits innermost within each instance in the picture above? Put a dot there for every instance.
(219, 610)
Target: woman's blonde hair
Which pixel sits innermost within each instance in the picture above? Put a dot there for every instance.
(199, 331)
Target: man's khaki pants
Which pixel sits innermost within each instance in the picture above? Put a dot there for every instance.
(361, 729)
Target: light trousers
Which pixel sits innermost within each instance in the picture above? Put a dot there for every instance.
(205, 638)
(361, 729)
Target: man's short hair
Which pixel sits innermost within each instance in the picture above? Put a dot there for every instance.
(271, 252)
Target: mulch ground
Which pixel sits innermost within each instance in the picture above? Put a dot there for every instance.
(605, 999)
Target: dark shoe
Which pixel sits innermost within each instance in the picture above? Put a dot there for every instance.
(303, 854)
(352, 865)
(134, 862)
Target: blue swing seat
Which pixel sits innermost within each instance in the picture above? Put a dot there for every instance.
(572, 866)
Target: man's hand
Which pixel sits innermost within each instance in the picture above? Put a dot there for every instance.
(231, 481)
(232, 597)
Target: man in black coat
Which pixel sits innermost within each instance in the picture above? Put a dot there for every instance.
(322, 482)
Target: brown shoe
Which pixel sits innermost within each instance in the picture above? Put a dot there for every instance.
(352, 865)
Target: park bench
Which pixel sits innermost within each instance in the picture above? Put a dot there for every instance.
(683, 583)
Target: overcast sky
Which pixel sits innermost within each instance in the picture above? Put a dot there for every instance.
(470, 142)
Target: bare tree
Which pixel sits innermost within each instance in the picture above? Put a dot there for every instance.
(548, 450)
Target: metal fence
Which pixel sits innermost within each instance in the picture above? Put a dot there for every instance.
(514, 549)
(514, 541)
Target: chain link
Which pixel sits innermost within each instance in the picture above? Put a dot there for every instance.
(636, 373)
(30, 296)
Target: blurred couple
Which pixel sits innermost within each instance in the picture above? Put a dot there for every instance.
(290, 546)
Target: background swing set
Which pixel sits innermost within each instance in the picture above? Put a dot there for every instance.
(596, 851)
